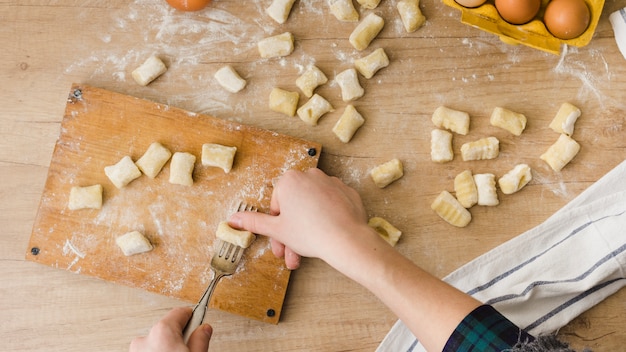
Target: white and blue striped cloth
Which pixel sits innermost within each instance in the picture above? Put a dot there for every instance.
(547, 276)
(618, 22)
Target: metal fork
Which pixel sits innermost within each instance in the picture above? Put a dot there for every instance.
(223, 263)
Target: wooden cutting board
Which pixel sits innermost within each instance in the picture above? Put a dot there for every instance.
(98, 129)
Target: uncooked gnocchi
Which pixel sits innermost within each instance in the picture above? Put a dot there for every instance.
(441, 146)
(506, 119)
(240, 238)
(411, 15)
(314, 109)
(181, 168)
(348, 81)
(229, 79)
(279, 10)
(561, 152)
(482, 149)
(217, 155)
(450, 119)
(515, 179)
(348, 123)
(565, 119)
(387, 173)
(311, 79)
(465, 189)
(123, 172)
(153, 160)
(343, 10)
(284, 101)
(486, 187)
(369, 4)
(366, 31)
(449, 209)
(87, 197)
(152, 68)
(385, 230)
(370, 64)
(276, 46)
(133, 242)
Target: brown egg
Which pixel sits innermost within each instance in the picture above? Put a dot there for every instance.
(567, 19)
(518, 11)
(470, 3)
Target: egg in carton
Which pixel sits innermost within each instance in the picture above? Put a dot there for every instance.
(533, 33)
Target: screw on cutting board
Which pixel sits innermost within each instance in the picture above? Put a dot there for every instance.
(312, 151)
(270, 312)
(34, 251)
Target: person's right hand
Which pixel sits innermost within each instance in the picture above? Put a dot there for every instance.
(311, 214)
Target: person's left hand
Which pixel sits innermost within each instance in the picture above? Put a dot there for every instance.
(167, 335)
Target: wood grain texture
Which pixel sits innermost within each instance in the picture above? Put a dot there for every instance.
(49, 45)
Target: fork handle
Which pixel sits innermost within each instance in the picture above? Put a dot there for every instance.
(197, 316)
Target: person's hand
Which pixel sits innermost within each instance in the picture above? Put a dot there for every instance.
(311, 214)
(167, 335)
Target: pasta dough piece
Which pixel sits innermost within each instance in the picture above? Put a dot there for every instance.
(482, 149)
(486, 187)
(370, 64)
(515, 179)
(152, 68)
(133, 242)
(240, 238)
(561, 152)
(313, 109)
(350, 87)
(279, 10)
(311, 79)
(465, 189)
(506, 119)
(284, 101)
(181, 168)
(449, 209)
(348, 123)
(276, 46)
(441, 146)
(153, 160)
(229, 79)
(385, 230)
(411, 15)
(565, 119)
(343, 10)
(88, 197)
(218, 155)
(123, 172)
(369, 4)
(450, 119)
(387, 173)
(366, 31)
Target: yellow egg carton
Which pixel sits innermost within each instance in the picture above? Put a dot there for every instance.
(534, 33)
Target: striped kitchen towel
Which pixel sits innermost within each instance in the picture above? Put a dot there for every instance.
(545, 277)
(618, 22)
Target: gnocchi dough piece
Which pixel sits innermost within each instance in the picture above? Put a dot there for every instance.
(123, 172)
(218, 155)
(561, 152)
(348, 123)
(284, 101)
(152, 68)
(411, 15)
(441, 146)
(181, 168)
(366, 31)
(465, 189)
(343, 10)
(311, 79)
(486, 187)
(276, 46)
(313, 109)
(565, 119)
(506, 119)
(229, 79)
(279, 10)
(350, 87)
(482, 149)
(370, 64)
(515, 179)
(369, 4)
(133, 242)
(450, 119)
(88, 197)
(240, 238)
(387, 173)
(153, 160)
(385, 230)
(449, 209)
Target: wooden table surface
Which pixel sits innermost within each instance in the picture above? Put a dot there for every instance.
(48, 45)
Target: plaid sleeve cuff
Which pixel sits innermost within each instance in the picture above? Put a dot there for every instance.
(485, 330)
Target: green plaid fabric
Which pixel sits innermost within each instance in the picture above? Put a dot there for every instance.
(486, 330)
